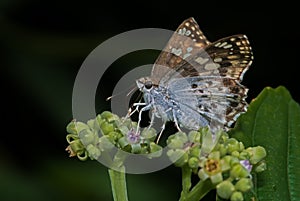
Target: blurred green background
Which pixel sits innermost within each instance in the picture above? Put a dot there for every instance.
(43, 44)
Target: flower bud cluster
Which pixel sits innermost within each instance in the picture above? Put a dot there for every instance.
(107, 131)
(223, 160)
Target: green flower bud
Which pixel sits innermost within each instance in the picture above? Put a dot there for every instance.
(99, 119)
(136, 148)
(214, 155)
(106, 128)
(193, 162)
(155, 150)
(124, 129)
(225, 165)
(224, 137)
(261, 166)
(238, 171)
(108, 116)
(235, 154)
(88, 136)
(256, 154)
(237, 196)
(195, 151)
(149, 133)
(216, 178)
(244, 185)
(81, 126)
(225, 189)
(93, 151)
(177, 140)
(194, 137)
(244, 155)
(76, 146)
(145, 150)
(105, 144)
(91, 123)
(114, 136)
(222, 149)
(123, 142)
(241, 146)
(227, 159)
(234, 161)
(232, 145)
(179, 157)
(71, 127)
(75, 127)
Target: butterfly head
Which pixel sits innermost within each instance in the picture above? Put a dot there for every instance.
(144, 84)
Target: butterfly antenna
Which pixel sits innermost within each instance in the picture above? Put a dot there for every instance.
(132, 90)
(117, 94)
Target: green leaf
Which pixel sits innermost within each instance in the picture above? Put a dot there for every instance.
(273, 121)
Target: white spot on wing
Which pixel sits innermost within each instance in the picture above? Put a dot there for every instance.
(177, 52)
(218, 59)
(201, 60)
(223, 44)
(211, 66)
(217, 45)
(228, 46)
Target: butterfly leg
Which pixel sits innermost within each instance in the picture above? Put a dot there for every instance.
(176, 122)
(152, 120)
(161, 131)
(139, 104)
(147, 107)
(131, 112)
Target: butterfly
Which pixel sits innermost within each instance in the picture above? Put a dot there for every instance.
(195, 82)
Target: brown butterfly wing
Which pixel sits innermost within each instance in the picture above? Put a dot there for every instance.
(189, 54)
(185, 42)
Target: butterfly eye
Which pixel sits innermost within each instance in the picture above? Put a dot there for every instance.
(148, 85)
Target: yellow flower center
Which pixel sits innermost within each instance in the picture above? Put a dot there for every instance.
(212, 166)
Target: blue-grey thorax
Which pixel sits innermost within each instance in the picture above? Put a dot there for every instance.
(173, 102)
(162, 102)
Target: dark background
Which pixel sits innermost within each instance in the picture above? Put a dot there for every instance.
(43, 45)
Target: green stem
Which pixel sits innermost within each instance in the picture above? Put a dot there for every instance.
(118, 184)
(200, 190)
(186, 182)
